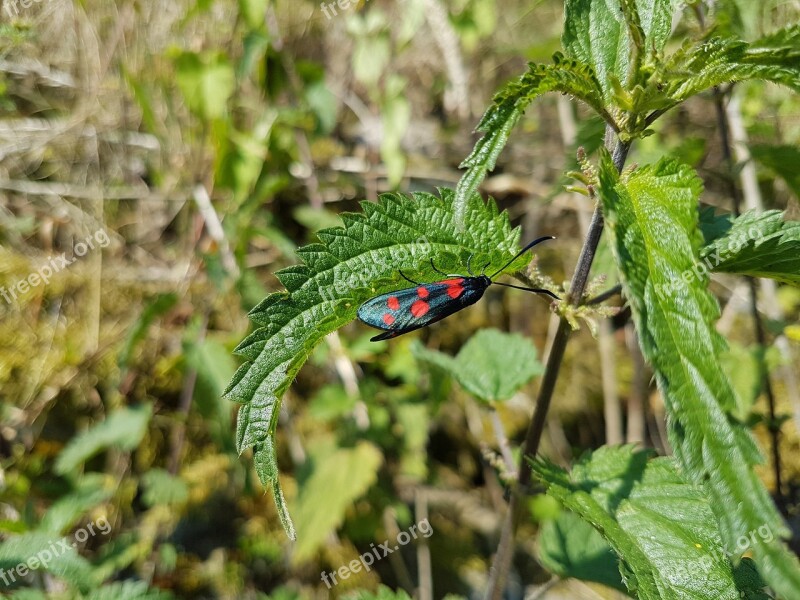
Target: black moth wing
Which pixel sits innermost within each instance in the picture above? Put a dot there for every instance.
(415, 307)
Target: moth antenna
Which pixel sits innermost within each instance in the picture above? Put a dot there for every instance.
(403, 275)
(437, 270)
(527, 289)
(523, 251)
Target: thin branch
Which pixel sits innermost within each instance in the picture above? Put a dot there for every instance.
(424, 569)
(609, 293)
(502, 440)
(502, 560)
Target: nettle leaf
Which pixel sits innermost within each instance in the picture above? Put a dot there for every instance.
(492, 365)
(564, 75)
(599, 34)
(352, 264)
(571, 547)
(653, 220)
(714, 61)
(660, 525)
(759, 245)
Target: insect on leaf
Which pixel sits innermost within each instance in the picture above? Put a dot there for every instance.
(351, 264)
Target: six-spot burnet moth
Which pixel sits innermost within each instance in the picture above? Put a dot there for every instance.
(416, 307)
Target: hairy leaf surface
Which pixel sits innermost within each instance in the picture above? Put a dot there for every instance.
(760, 245)
(659, 524)
(351, 264)
(492, 365)
(718, 60)
(653, 220)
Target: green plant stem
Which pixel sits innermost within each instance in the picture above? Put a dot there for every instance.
(505, 548)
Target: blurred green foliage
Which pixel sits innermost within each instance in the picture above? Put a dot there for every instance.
(210, 140)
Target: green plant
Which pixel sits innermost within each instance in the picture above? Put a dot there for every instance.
(617, 61)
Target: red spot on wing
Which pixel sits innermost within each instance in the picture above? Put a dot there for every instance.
(454, 291)
(387, 318)
(422, 292)
(454, 288)
(393, 303)
(419, 308)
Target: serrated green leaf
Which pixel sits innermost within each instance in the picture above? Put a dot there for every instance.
(123, 429)
(352, 264)
(660, 525)
(564, 75)
(595, 34)
(600, 34)
(492, 365)
(571, 547)
(717, 60)
(759, 245)
(653, 220)
(338, 477)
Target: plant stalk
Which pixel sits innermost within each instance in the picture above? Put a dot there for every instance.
(505, 549)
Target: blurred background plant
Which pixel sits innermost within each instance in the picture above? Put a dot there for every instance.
(209, 139)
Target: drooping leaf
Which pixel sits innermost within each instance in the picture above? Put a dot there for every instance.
(759, 245)
(570, 547)
(123, 429)
(659, 524)
(564, 75)
(352, 264)
(338, 477)
(653, 220)
(492, 365)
